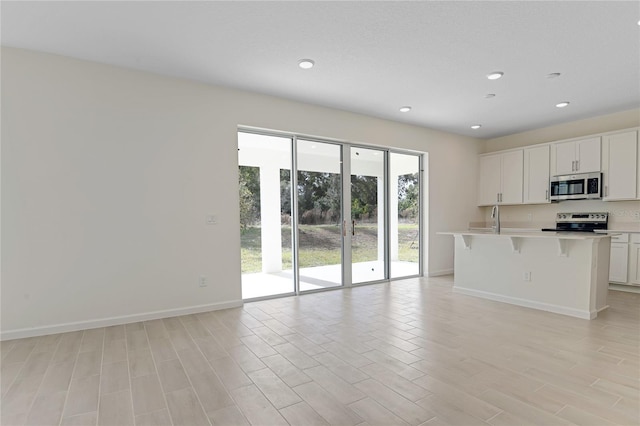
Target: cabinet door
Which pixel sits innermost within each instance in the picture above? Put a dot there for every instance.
(619, 156)
(588, 155)
(565, 158)
(619, 262)
(512, 175)
(489, 182)
(634, 264)
(536, 175)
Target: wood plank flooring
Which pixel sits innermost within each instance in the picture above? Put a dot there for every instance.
(407, 353)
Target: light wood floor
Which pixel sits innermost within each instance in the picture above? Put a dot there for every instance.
(410, 352)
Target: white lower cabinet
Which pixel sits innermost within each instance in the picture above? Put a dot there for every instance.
(634, 260)
(619, 263)
(624, 264)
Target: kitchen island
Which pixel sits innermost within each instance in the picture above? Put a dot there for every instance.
(562, 272)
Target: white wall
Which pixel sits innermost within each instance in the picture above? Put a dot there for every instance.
(573, 129)
(621, 213)
(108, 175)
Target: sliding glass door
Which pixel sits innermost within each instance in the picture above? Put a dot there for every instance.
(404, 178)
(316, 214)
(265, 215)
(319, 214)
(368, 242)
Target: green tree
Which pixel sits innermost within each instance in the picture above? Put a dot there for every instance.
(409, 196)
(318, 193)
(364, 197)
(285, 191)
(249, 182)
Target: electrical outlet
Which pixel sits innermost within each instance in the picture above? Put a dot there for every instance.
(202, 281)
(212, 219)
(526, 276)
(530, 217)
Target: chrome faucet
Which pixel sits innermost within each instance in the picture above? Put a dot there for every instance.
(495, 215)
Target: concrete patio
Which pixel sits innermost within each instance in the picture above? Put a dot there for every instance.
(260, 284)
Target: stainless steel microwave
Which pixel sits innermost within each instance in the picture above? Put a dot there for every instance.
(576, 187)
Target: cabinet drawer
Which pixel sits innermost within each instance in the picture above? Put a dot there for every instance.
(621, 238)
(635, 238)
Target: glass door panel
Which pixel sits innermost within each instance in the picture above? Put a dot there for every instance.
(319, 185)
(404, 217)
(265, 215)
(367, 215)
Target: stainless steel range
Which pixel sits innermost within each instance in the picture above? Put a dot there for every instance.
(580, 222)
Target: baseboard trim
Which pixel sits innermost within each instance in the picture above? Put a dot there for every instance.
(624, 287)
(556, 309)
(106, 322)
(440, 273)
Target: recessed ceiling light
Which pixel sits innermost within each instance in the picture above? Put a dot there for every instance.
(476, 126)
(490, 95)
(405, 109)
(495, 75)
(306, 64)
(562, 104)
(553, 75)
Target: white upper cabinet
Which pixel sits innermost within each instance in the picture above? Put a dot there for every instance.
(501, 178)
(588, 155)
(565, 158)
(620, 166)
(511, 178)
(490, 179)
(521, 176)
(581, 156)
(536, 175)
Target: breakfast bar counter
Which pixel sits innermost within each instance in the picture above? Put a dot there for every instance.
(561, 272)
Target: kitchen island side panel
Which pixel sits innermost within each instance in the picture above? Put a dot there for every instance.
(603, 250)
(570, 284)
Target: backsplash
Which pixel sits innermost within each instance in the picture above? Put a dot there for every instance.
(622, 214)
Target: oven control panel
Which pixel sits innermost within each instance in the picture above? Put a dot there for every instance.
(582, 217)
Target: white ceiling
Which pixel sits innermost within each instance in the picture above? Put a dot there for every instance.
(371, 57)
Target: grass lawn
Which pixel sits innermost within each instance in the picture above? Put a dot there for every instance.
(321, 245)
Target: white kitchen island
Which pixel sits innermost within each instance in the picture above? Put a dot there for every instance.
(565, 273)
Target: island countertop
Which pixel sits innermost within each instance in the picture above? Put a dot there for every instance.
(531, 234)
